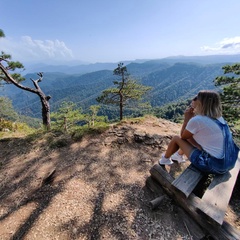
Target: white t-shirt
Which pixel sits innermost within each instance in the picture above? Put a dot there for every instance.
(207, 134)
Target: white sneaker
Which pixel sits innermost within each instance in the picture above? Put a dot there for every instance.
(165, 161)
(177, 157)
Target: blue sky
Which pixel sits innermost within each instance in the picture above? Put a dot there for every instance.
(113, 30)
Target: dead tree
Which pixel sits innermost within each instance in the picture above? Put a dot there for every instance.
(8, 78)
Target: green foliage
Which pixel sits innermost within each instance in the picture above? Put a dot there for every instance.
(66, 116)
(236, 132)
(79, 132)
(169, 84)
(8, 65)
(70, 119)
(230, 94)
(7, 113)
(172, 111)
(16, 127)
(230, 97)
(6, 109)
(31, 122)
(23, 127)
(132, 90)
(9, 75)
(2, 33)
(6, 125)
(9, 119)
(126, 90)
(92, 116)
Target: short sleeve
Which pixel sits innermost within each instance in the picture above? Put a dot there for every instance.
(192, 125)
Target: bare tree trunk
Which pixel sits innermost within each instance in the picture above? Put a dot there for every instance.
(45, 103)
(46, 114)
(121, 96)
(65, 124)
(121, 107)
(43, 98)
(93, 121)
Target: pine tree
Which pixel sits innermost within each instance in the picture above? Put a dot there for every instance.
(67, 116)
(8, 75)
(126, 89)
(230, 94)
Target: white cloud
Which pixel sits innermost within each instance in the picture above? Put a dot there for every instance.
(227, 45)
(28, 49)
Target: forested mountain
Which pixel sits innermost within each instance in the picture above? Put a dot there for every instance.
(82, 68)
(82, 90)
(170, 82)
(180, 81)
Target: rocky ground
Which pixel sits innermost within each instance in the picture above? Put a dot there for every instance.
(97, 189)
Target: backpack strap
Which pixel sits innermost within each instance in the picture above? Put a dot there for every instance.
(230, 149)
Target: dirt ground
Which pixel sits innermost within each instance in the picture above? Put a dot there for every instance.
(98, 189)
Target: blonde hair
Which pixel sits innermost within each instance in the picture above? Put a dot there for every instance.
(210, 104)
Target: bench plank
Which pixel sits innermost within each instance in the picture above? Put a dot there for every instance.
(217, 196)
(164, 179)
(188, 180)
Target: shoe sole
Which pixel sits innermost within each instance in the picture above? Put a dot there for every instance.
(165, 163)
(178, 161)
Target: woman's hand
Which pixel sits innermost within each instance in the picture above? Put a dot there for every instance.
(188, 114)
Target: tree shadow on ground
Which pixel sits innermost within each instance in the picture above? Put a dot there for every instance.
(100, 187)
(22, 175)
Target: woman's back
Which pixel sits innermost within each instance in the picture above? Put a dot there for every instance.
(208, 134)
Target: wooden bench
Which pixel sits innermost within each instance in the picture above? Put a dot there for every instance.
(215, 200)
(209, 209)
(188, 180)
(217, 196)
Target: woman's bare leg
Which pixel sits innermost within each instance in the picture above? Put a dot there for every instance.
(180, 151)
(176, 143)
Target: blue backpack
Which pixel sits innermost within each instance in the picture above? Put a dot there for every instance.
(230, 150)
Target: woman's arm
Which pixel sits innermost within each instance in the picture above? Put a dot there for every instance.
(188, 114)
(186, 135)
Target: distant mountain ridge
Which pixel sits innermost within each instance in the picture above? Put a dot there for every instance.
(171, 79)
(83, 68)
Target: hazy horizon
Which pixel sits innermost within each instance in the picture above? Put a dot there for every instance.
(112, 31)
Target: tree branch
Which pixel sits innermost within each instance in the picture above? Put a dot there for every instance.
(10, 79)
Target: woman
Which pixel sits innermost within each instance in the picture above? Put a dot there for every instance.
(206, 126)
(178, 156)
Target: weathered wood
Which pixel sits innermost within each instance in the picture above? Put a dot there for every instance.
(217, 196)
(154, 186)
(195, 231)
(156, 202)
(48, 179)
(188, 180)
(190, 205)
